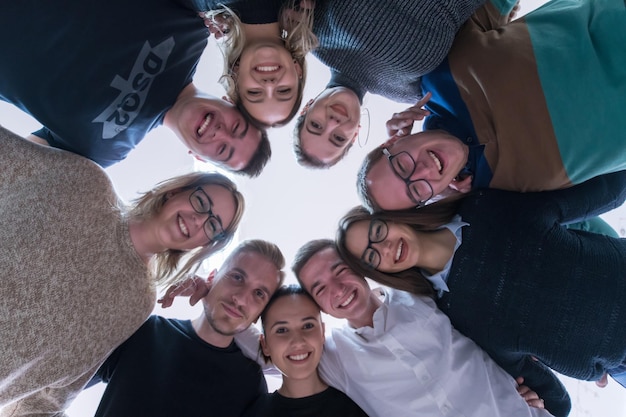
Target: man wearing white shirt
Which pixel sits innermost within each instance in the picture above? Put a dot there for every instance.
(399, 355)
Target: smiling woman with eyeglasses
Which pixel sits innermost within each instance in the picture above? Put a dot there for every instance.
(509, 274)
(80, 268)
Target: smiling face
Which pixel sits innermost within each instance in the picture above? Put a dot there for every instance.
(438, 156)
(240, 291)
(336, 288)
(331, 123)
(213, 129)
(397, 251)
(179, 226)
(267, 81)
(294, 336)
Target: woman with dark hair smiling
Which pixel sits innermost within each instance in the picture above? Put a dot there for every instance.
(508, 273)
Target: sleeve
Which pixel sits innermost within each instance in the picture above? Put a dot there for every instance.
(104, 373)
(589, 199)
(48, 402)
(248, 342)
(539, 378)
(493, 14)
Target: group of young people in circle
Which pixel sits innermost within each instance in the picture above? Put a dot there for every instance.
(483, 227)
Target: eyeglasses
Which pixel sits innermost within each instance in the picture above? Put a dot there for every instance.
(201, 203)
(403, 165)
(377, 233)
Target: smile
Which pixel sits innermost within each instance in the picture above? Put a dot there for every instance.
(183, 227)
(401, 253)
(267, 68)
(348, 301)
(300, 357)
(339, 109)
(232, 311)
(203, 127)
(436, 160)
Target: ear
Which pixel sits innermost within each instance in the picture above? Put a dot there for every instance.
(264, 347)
(324, 331)
(306, 107)
(462, 185)
(228, 99)
(356, 134)
(298, 68)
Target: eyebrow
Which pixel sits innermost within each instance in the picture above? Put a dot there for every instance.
(245, 130)
(304, 319)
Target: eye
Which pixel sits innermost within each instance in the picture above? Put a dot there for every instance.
(235, 128)
(308, 326)
(315, 125)
(200, 202)
(221, 150)
(260, 294)
(339, 139)
(284, 91)
(253, 93)
(237, 277)
(319, 291)
(214, 225)
(280, 330)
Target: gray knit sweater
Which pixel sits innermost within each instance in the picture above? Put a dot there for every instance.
(73, 287)
(384, 47)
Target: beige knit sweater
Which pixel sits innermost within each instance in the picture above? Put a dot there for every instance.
(73, 288)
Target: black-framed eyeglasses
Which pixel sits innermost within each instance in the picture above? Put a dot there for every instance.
(403, 165)
(201, 203)
(377, 233)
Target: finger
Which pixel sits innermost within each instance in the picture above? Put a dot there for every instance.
(537, 403)
(424, 99)
(519, 380)
(523, 390)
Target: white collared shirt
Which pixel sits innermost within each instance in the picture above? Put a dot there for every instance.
(413, 363)
(440, 279)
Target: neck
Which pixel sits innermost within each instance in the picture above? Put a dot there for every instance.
(142, 239)
(367, 317)
(206, 332)
(436, 249)
(299, 388)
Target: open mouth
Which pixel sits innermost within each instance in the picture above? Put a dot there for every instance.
(300, 357)
(205, 124)
(400, 252)
(348, 300)
(183, 227)
(436, 160)
(339, 109)
(267, 68)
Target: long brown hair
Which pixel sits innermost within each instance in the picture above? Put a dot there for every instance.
(428, 218)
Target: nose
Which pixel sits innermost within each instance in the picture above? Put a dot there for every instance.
(268, 79)
(383, 247)
(422, 171)
(337, 290)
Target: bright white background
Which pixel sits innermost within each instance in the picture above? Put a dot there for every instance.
(289, 205)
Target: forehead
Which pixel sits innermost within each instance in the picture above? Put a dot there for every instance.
(296, 306)
(258, 269)
(319, 267)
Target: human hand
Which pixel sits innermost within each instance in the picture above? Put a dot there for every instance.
(401, 123)
(530, 396)
(603, 381)
(514, 11)
(195, 288)
(218, 25)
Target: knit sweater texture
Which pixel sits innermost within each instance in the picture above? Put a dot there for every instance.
(385, 47)
(73, 286)
(525, 287)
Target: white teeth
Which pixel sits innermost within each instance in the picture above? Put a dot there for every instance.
(399, 251)
(300, 357)
(437, 161)
(182, 226)
(267, 68)
(207, 122)
(348, 301)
